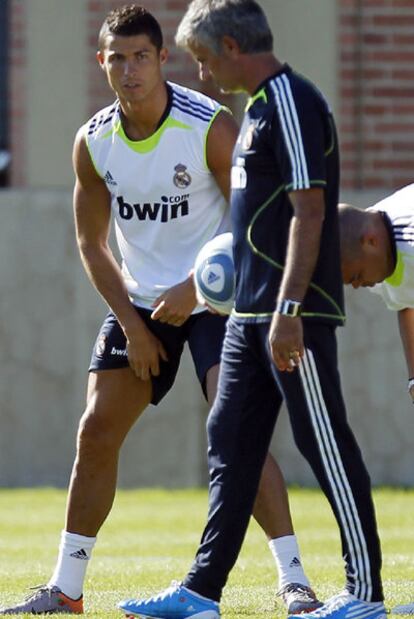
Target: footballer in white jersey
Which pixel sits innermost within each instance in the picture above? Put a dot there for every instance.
(377, 247)
(377, 251)
(397, 290)
(165, 201)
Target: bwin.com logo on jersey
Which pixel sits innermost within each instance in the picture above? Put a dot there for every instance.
(181, 178)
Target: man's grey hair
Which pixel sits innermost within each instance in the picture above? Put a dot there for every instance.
(206, 22)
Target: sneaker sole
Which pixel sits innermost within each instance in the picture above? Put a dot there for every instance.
(308, 609)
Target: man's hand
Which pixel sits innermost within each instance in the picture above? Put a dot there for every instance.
(286, 341)
(176, 304)
(144, 352)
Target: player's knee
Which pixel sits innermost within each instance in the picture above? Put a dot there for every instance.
(96, 435)
(212, 427)
(220, 430)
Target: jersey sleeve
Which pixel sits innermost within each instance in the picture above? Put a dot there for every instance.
(397, 291)
(391, 300)
(297, 135)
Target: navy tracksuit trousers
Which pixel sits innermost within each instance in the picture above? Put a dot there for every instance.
(240, 427)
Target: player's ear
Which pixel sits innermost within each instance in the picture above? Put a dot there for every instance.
(100, 58)
(163, 55)
(230, 46)
(369, 240)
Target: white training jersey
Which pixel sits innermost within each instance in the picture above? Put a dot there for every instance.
(165, 201)
(398, 289)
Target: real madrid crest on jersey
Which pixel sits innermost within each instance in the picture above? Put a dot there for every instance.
(181, 177)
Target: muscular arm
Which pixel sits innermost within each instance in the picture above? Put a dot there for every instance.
(286, 334)
(220, 144)
(92, 218)
(406, 325)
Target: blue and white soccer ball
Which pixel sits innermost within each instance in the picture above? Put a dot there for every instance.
(214, 273)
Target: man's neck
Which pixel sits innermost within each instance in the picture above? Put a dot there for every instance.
(387, 242)
(257, 68)
(140, 120)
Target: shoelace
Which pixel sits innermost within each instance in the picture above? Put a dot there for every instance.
(38, 590)
(161, 596)
(331, 605)
(296, 588)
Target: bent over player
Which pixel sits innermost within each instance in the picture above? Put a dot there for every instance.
(280, 341)
(377, 248)
(160, 159)
(377, 251)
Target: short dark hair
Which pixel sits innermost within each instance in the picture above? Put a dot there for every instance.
(130, 20)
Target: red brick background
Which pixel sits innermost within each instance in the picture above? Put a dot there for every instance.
(377, 93)
(376, 85)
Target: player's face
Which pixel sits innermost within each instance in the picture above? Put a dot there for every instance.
(221, 68)
(132, 65)
(365, 271)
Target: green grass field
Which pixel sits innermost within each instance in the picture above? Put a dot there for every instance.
(151, 536)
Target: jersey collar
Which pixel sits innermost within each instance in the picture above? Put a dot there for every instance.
(389, 228)
(260, 92)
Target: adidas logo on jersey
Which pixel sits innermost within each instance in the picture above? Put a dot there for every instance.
(109, 179)
(167, 209)
(80, 554)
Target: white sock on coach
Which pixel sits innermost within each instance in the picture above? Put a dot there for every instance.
(285, 551)
(74, 554)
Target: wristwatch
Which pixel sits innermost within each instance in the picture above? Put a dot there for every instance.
(288, 307)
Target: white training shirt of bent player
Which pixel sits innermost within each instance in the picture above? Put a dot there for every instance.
(398, 289)
(165, 201)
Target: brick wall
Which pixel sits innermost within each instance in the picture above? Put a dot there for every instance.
(376, 60)
(18, 77)
(180, 67)
(377, 93)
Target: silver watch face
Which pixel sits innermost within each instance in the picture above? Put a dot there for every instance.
(287, 307)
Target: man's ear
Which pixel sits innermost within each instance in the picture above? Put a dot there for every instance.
(369, 240)
(100, 58)
(230, 46)
(163, 55)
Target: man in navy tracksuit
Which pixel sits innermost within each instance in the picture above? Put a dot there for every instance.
(280, 342)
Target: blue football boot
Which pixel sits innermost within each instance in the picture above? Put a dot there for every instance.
(176, 602)
(346, 606)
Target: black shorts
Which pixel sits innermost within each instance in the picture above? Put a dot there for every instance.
(204, 333)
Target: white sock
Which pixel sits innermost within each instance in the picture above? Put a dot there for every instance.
(285, 551)
(74, 554)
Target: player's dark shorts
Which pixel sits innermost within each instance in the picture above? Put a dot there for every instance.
(204, 333)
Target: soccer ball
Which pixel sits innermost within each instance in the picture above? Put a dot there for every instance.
(214, 273)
